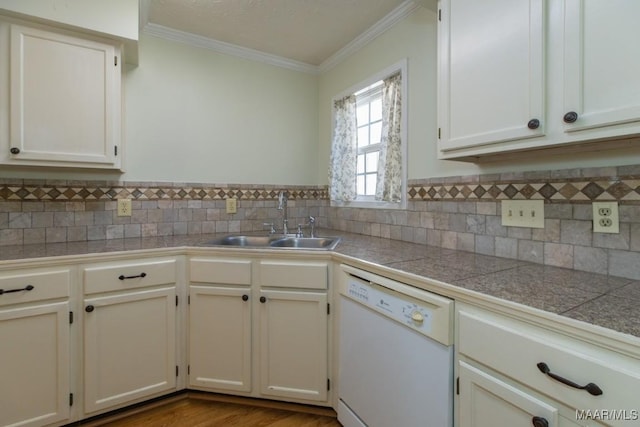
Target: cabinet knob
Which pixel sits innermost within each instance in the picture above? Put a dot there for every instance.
(89, 308)
(263, 299)
(539, 422)
(245, 297)
(533, 124)
(570, 117)
(14, 150)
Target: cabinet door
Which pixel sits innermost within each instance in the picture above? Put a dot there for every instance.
(34, 365)
(293, 344)
(601, 63)
(65, 100)
(491, 76)
(220, 338)
(129, 347)
(485, 401)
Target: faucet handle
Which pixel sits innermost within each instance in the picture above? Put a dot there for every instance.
(312, 223)
(299, 233)
(269, 224)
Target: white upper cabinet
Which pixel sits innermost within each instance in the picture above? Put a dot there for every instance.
(65, 99)
(491, 75)
(601, 63)
(520, 75)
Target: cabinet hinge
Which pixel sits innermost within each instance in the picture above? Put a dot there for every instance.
(70, 399)
(328, 308)
(115, 61)
(177, 370)
(439, 132)
(71, 317)
(458, 386)
(439, 14)
(115, 150)
(176, 300)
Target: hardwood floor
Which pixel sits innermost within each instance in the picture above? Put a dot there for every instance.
(204, 412)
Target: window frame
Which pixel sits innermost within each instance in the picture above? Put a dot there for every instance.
(369, 201)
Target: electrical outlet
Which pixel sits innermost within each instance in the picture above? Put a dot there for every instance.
(232, 206)
(124, 207)
(605, 217)
(523, 213)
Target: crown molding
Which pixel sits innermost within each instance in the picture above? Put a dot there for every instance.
(399, 13)
(227, 48)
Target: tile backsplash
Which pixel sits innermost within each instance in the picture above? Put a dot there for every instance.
(464, 213)
(455, 212)
(35, 212)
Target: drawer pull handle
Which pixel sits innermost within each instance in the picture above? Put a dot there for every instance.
(123, 277)
(539, 422)
(263, 299)
(591, 388)
(10, 291)
(245, 297)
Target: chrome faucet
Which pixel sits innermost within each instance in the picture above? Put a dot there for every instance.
(282, 206)
(312, 224)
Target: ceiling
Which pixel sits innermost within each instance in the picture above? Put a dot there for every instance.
(305, 31)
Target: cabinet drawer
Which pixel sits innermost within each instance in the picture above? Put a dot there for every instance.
(221, 271)
(118, 277)
(292, 274)
(46, 284)
(515, 349)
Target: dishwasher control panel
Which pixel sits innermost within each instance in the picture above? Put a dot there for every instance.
(402, 308)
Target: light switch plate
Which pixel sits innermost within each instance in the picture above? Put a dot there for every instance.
(523, 213)
(232, 206)
(605, 217)
(124, 207)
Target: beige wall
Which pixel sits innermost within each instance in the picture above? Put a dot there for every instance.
(415, 38)
(198, 116)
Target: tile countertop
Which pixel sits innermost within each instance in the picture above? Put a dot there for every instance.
(606, 301)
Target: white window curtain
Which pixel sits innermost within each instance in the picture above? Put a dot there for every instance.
(342, 165)
(389, 182)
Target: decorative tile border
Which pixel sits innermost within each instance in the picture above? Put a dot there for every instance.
(620, 184)
(88, 192)
(567, 191)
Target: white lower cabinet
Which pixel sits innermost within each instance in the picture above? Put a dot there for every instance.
(129, 338)
(35, 327)
(293, 345)
(512, 372)
(486, 401)
(220, 338)
(259, 328)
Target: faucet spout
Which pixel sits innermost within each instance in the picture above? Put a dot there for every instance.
(282, 206)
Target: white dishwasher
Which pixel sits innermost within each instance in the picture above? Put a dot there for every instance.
(396, 354)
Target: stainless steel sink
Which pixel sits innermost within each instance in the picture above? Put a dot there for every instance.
(275, 241)
(241, 240)
(327, 243)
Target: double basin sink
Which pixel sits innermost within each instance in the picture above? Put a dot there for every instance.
(276, 241)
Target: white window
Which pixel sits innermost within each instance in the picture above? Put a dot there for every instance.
(368, 137)
(368, 153)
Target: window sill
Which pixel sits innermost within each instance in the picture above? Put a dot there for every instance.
(368, 204)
